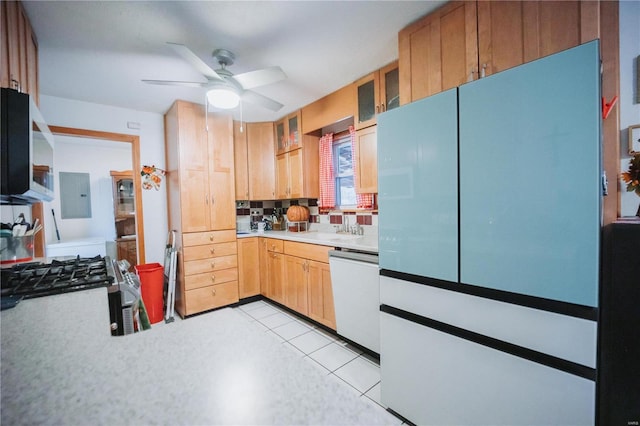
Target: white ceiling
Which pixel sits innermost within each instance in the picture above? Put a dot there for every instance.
(98, 51)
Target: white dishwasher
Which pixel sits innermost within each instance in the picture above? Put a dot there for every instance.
(356, 296)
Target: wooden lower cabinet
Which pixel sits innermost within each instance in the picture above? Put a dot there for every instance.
(209, 275)
(321, 294)
(296, 284)
(248, 267)
(210, 297)
(276, 277)
(263, 260)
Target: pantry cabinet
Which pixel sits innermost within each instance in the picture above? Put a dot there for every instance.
(248, 267)
(297, 171)
(466, 40)
(288, 133)
(376, 93)
(254, 154)
(18, 50)
(201, 199)
(366, 155)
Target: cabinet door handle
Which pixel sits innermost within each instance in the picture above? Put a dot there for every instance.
(377, 109)
(483, 71)
(473, 71)
(206, 199)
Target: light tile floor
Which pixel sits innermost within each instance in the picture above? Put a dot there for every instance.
(338, 359)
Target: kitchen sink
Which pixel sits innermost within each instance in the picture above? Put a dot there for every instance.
(332, 236)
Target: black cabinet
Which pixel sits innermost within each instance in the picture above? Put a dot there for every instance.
(619, 327)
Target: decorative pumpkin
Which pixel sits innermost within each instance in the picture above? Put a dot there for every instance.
(298, 214)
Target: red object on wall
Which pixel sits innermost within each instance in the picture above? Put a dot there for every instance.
(608, 106)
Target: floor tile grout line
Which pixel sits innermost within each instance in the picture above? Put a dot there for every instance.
(371, 387)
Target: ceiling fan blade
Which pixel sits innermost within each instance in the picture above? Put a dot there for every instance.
(251, 79)
(263, 101)
(194, 60)
(176, 83)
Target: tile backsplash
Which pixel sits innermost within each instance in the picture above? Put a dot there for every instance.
(324, 222)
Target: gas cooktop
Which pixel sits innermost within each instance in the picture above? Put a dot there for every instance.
(35, 279)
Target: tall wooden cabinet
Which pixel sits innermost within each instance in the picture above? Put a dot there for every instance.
(466, 40)
(201, 198)
(18, 50)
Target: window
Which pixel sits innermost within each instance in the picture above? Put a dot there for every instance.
(343, 167)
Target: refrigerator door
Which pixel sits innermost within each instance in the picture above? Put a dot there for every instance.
(418, 186)
(530, 170)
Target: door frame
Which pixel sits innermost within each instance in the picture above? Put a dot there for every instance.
(134, 140)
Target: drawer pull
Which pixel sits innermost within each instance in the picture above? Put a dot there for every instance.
(213, 291)
(210, 237)
(213, 278)
(213, 264)
(212, 250)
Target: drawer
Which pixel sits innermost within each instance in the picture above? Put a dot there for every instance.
(308, 251)
(214, 296)
(275, 245)
(210, 278)
(209, 250)
(208, 265)
(201, 238)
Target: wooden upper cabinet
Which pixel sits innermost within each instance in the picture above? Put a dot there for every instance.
(261, 161)
(240, 155)
(376, 93)
(466, 40)
(511, 33)
(19, 50)
(297, 171)
(438, 52)
(330, 109)
(254, 154)
(288, 132)
(366, 154)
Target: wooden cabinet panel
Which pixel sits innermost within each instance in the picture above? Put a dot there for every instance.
(200, 238)
(321, 307)
(282, 176)
(222, 206)
(466, 40)
(296, 283)
(438, 52)
(296, 174)
(511, 33)
(261, 161)
(248, 267)
(274, 245)
(366, 156)
(298, 171)
(12, 15)
(209, 250)
(264, 266)
(215, 296)
(208, 265)
(308, 251)
(240, 154)
(210, 278)
(276, 277)
(329, 109)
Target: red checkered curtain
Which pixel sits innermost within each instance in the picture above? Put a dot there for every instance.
(365, 201)
(327, 199)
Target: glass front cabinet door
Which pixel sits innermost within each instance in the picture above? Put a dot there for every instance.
(288, 135)
(376, 93)
(124, 215)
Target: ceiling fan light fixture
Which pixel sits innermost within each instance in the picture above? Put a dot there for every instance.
(223, 97)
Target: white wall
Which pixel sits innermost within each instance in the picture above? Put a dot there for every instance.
(71, 113)
(629, 111)
(97, 158)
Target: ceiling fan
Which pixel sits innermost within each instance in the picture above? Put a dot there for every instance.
(225, 89)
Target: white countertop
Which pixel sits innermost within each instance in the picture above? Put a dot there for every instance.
(60, 365)
(366, 243)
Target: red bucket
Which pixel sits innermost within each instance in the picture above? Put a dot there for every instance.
(152, 284)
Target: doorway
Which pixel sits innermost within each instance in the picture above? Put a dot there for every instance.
(134, 141)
